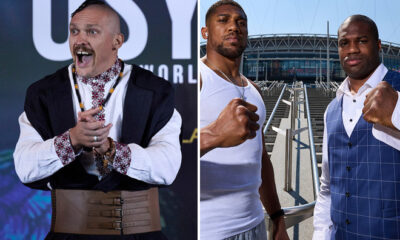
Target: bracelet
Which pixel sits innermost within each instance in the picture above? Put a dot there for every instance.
(108, 157)
(277, 214)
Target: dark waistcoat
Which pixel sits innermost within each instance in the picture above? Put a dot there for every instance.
(364, 178)
(148, 106)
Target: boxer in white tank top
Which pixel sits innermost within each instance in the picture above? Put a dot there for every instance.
(230, 177)
(231, 140)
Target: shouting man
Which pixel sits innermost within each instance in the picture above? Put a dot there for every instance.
(101, 135)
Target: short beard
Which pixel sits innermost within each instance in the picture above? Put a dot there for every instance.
(231, 54)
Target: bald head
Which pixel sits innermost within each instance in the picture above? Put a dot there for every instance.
(358, 47)
(108, 12)
(364, 19)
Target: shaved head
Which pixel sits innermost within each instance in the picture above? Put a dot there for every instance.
(111, 15)
(361, 18)
(358, 47)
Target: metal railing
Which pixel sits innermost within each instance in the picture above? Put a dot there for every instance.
(296, 214)
(314, 164)
(271, 116)
(269, 87)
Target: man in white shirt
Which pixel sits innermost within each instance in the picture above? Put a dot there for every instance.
(360, 166)
(235, 168)
(101, 134)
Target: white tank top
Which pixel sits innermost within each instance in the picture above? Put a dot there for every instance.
(230, 177)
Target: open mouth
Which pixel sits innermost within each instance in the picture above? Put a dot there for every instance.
(83, 57)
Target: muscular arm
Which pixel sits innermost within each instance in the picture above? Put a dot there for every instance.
(235, 124)
(208, 138)
(269, 196)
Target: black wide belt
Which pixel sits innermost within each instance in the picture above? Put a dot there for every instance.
(98, 213)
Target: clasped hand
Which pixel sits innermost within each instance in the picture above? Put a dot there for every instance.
(89, 132)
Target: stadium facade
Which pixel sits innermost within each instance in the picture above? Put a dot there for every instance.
(302, 57)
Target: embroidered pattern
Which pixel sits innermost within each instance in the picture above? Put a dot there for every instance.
(103, 77)
(98, 83)
(122, 158)
(64, 148)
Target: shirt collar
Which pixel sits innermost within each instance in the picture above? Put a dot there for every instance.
(372, 82)
(104, 77)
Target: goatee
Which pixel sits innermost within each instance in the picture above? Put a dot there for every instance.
(228, 53)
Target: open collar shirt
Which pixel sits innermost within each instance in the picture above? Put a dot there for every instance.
(352, 111)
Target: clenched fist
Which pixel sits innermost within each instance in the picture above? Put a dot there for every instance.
(379, 105)
(235, 124)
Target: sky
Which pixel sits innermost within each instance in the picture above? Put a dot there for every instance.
(311, 16)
